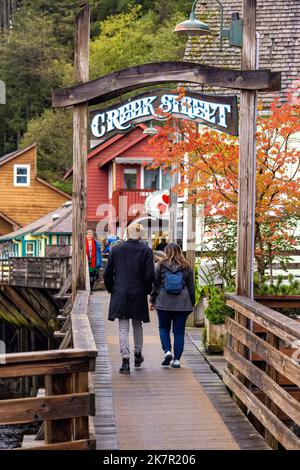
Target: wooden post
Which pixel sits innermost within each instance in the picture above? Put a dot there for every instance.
(80, 152)
(190, 253)
(247, 160)
(247, 176)
(173, 208)
(59, 430)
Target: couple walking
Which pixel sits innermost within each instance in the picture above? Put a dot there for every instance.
(130, 276)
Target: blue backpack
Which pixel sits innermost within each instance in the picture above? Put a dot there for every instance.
(174, 283)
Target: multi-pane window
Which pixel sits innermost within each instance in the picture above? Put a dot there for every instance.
(30, 251)
(130, 178)
(22, 175)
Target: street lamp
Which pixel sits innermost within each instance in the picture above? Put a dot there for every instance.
(150, 130)
(194, 27)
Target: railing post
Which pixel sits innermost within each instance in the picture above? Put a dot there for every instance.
(274, 374)
(81, 425)
(59, 430)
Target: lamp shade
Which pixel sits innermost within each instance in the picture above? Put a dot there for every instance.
(150, 130)
(192, 27)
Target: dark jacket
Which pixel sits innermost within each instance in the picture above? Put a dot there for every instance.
(182, 302)
(128, 276)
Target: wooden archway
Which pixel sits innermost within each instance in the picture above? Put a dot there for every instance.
(249, 80)
(117, 83)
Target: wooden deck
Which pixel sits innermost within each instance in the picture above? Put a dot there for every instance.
(161, 408)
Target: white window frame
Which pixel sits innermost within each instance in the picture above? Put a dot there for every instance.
(29, 253)
(16, 167)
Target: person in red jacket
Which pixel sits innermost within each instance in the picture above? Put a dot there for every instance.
(93, 252)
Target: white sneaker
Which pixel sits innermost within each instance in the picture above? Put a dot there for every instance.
(175, 364)
(167, 359)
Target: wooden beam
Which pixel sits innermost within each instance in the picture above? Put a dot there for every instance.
(28, 311)
(85, 444)
(266, 317)
(54, 367)
(80, 152)
(117, 83)
(277, 394)
(282, 363)
(30, 410)
(283, 435)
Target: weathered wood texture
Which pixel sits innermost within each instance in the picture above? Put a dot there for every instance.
(80, 152)
(136, 412)
(70, 398)
(43, 273)
(247, 159)
(266, 398)
(118, 83)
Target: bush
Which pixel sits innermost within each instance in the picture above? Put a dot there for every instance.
(217, 310)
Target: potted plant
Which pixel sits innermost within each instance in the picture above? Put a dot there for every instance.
(215, 313)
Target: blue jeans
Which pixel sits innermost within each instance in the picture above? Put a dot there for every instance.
(166, 319)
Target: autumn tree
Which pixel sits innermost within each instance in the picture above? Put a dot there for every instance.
(210, 174)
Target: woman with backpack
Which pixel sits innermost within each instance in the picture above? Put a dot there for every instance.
(173, 297)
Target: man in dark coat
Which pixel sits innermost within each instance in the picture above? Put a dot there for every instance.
(128, 277)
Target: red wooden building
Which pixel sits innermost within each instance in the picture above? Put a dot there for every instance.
(119, 167)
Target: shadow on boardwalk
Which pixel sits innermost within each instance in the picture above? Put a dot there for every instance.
(161, 408)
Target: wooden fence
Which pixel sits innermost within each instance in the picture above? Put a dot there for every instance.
(263, 355)
(69, 398)
(46, 273)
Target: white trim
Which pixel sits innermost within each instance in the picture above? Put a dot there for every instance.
(110, 181)
(133, 161)
(16, 167)
(142, 177)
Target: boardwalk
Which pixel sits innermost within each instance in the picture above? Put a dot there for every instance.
(161, 408)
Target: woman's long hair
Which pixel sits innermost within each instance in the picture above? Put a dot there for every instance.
(174, 255)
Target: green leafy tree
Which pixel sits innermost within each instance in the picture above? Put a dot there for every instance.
(131, 38)
(52, 132)
(31, 63)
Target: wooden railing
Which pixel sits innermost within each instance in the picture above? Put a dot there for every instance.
(263, 355)
(133, 197)
(47, 273)
(69, 398)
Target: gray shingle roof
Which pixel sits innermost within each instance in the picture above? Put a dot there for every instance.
(278, 25)
(46, 224)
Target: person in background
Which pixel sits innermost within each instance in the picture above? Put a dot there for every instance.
(110, 241)
(128, 277)
(162, 245)
(173, 297)
(93, 252)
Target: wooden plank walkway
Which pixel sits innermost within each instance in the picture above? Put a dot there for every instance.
(157, 408)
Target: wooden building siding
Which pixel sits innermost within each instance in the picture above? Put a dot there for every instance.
(278, 25)
(97, 183)
(98, 168)
(5, 227)
(26, 204)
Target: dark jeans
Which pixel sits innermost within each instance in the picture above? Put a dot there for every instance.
(93, 277)
(177, 320)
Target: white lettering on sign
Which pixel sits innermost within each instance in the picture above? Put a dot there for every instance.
(194, 109)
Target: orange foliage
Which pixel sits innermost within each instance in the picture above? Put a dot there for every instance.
(210, 173)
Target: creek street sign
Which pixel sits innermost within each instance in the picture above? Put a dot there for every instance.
(219, 112)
